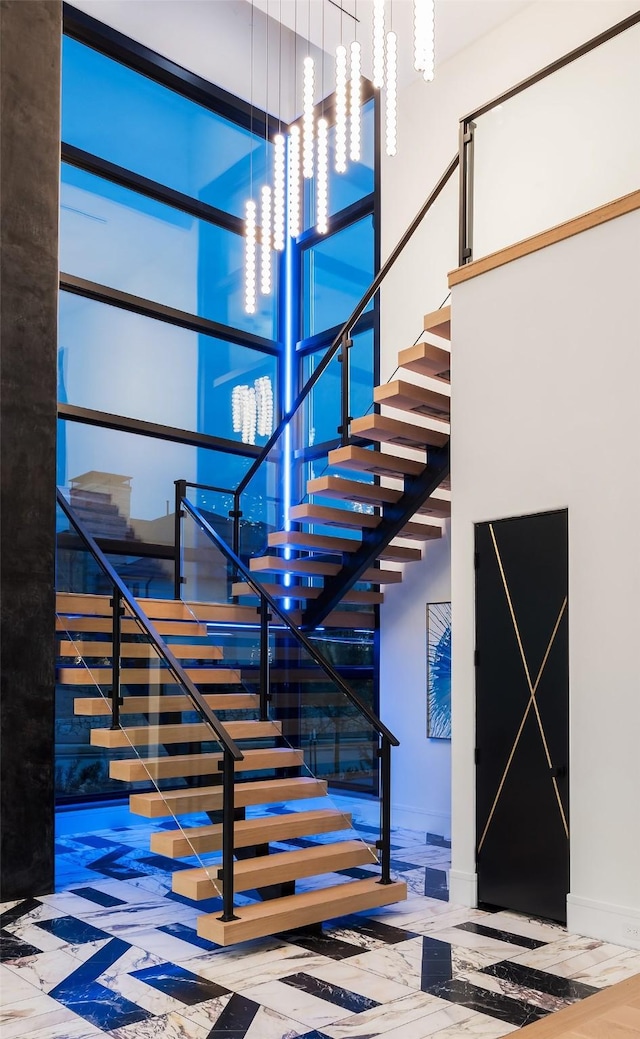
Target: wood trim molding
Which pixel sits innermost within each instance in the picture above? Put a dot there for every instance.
(593, 218)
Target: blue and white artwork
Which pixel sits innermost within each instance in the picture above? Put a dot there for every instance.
(439, 670)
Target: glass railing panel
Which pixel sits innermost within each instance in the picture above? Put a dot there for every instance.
(560, 148)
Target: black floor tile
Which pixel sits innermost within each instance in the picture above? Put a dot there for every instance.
(180, 983)
(341, 997)
(513, 1011)
(501, 936)
(541, 980)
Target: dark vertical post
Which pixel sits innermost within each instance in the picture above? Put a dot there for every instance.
(30, 136)
(228, 818)
(116, 631)
(345, 418)
(181, 491)
(236, 516)
(384, 844)
(465, 229)
(265, 617)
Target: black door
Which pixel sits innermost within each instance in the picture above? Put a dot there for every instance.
(522, 714)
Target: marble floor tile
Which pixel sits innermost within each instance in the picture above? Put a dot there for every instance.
(294, 1003)
(165, 1026)
(45, 970)
(547, 956)
(610, 972)
(421, 963)
(492, 947)
(14, 987)
(519, 924)
(159, 943)
(592, 958)
(364, 982)
(447, 1017)
(379, 1021)
(508, 988)
(42, 1016)
(477, 1025)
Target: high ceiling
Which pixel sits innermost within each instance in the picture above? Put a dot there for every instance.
(328, 22)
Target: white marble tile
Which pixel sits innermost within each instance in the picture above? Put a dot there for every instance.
(477, 1025)
(14, 987)
(45, 970)
(208, 1012)
(141, 994)
(528, 927)
(545, 957)
(592, 958)
(269, 1024)
(29, 1017)
(365, 983)
(611, 971)
(449, 1016)
(477, 942)
(402, 963)
(167, 1026)
(300, 961)
(249, 957)
(71, 1027)
(6, 906)
(159, 943)
(296, 1004)
(380, 1020)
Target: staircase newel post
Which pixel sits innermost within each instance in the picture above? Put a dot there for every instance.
(265, 617)
(345, 418)
(384, 843)
(116, 631)
(236, 515)
(228, 818)
(181, 491)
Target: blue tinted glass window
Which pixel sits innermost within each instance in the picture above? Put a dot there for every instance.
(115, 361)
(337, 272)
(323, 403)
(119, 238)
(137, 474)
(114, 112)
(359, 179)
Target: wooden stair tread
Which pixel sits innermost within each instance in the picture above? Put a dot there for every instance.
(362, 460)
(100, 606)
(95, 707)
(146, 676)
(303, 592)
(404, 434)
(353, 490)
(142, 650)
(304, 541)
(426, 359)
(420, 531)
(277, 868)
(341, 619)
(248, 832)
(209, 799)
(301, 567)
(72, 623)
(309, 907)
(326, 516)
(177, 766)
(195, 732)
(439, 505)
(406, 396)
(438, 322)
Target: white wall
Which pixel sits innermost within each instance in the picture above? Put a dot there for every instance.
(546, 369)
(428, 117)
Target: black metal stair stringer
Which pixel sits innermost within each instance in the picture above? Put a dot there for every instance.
(394, 518)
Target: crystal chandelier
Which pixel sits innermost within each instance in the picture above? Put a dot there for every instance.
(303, 153)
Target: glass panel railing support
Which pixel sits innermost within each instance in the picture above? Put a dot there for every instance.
(117, 607)
(344, 429)
(228, 819)
(235, 514)
(180, 492)
(265, 617)
(384, 844)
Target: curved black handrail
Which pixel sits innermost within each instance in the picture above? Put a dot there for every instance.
(373, 720)
(194, 694)
(351, 320)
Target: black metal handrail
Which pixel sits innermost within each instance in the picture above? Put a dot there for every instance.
(467, 126)
(344, 334)
(265, 596)
(124, 595)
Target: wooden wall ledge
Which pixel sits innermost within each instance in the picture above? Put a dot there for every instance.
(610, 211)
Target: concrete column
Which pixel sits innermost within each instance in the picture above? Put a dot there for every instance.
(30, 135)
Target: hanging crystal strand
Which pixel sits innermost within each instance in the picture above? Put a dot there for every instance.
(341, 109)
(355, 103)
(322, 186)
(378, 43)
(265, 241)
(430, 45)
(250, 257)
(278, 192)
(391, 94)
(294, 182)
(308, 119)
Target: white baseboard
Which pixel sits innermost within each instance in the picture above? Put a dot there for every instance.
(463, 888)
(409, 818)
(603, 920)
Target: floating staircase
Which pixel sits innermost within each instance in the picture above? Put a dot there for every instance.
(164, 745)
(374, 505)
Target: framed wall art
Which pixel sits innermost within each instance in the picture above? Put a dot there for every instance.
(439, 670)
